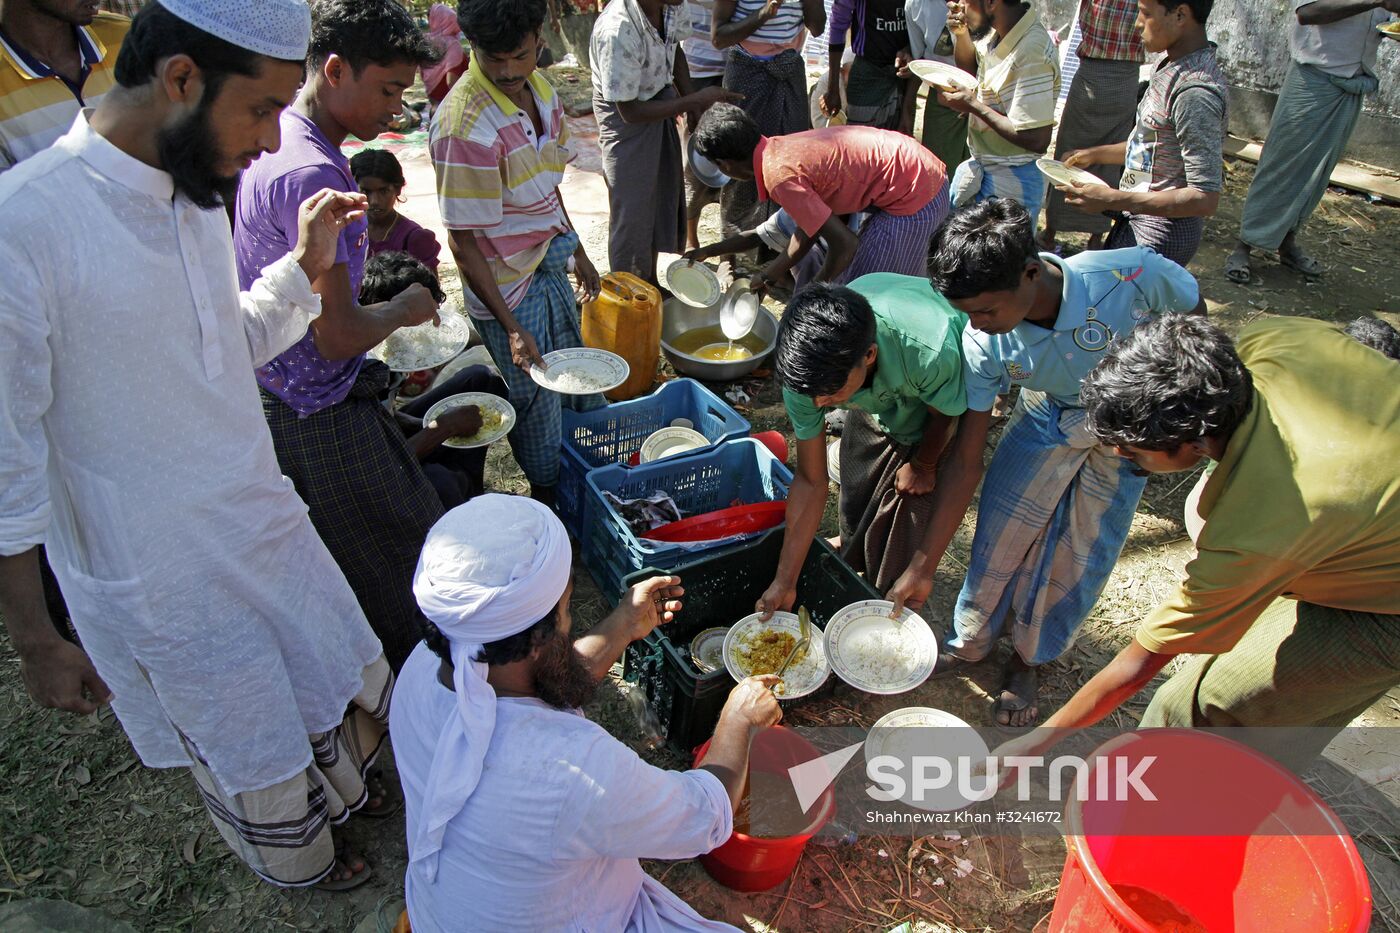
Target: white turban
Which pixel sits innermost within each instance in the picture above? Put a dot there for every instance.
(490, 569)
(275, 28)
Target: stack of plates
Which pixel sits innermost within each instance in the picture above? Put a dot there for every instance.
(668, 442)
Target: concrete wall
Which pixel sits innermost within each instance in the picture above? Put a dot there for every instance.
(1252, 36)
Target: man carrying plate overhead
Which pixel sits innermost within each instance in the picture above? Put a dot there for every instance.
(499, 145)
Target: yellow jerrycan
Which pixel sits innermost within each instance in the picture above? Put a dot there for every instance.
(626, 319)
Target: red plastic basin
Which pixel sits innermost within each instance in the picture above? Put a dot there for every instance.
(1288, 866)
(754, 863)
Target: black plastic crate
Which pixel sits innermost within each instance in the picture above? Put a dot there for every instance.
(720, 589)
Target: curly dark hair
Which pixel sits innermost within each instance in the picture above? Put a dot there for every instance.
(377, 163)
(367, 32)
(726, 132)
(822, 336)
(500, 26)
(1174, 380)
(1376, 334)
(387, 274)
(506, 651)
(982, 248)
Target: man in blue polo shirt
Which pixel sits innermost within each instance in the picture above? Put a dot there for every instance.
(1056, 505)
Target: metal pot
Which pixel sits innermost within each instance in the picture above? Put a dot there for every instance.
(678, 318)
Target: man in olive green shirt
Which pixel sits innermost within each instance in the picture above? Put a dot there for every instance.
(1293, 595)
(888, 349)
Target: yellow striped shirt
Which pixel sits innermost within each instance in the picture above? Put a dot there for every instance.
(36, 105)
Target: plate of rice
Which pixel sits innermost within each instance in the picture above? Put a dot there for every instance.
(581, 371)
(877, 654)
(753, 646)
(497, 418)
(426, 346)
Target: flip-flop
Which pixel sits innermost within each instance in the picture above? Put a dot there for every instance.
(1237, 269)
(390, 803)
(1302, 263)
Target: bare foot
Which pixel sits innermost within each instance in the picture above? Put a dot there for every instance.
(1019, 702)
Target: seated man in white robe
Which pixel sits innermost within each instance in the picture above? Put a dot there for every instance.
(522, 814)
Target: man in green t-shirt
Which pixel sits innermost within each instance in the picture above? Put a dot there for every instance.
(888, 349)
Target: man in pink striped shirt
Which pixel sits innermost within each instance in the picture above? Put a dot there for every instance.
(499, 145)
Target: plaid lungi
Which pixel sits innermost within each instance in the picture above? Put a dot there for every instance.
(891, 243)
(775, 95)
(1174, 238)
(880, 529)
(282, 832)
(367, 497)
(1101, 108)
(1299, 665)
(549, 313)
(1055, 509)
(873, 95)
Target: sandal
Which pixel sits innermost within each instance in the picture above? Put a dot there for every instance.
(389, 802)
(343, 858)
(1301, 262)
(1237, 268)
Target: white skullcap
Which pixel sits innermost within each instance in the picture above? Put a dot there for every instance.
(275, 28)
(489, 569)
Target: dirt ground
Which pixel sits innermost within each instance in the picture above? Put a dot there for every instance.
(81, 820)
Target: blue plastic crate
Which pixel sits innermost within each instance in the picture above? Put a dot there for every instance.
(612, 434)
(703, 481)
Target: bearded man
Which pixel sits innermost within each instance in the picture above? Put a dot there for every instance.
(522, 814)
(132, 443)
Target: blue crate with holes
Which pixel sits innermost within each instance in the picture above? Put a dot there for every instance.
(612, 434)
(739, 471)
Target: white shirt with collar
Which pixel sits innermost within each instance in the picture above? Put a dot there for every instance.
(628, 58)
(132, 444)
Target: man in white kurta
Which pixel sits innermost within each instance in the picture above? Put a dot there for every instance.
(522, 814)
(132, 444)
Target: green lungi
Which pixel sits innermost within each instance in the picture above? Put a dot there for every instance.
(1313, 119)
(1299, 665)
(944, 134)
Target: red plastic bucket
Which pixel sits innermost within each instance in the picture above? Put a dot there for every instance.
(1297, 872)
(755, 863)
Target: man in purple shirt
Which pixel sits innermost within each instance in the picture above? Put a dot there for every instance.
(367, 495)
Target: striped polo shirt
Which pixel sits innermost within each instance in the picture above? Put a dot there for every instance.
(37, 105)
(1018, 76)
(496, 178)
